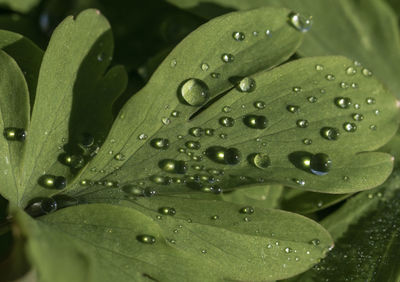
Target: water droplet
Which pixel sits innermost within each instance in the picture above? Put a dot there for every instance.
(366, 72)
(227, 58)
(315, 242)
(175, 114)
(86, 140)
(160, 143)
(302, 123)
(204, 67)
(370, 101)
(372, 127)
(223, 136)
(330, 77)
(53, 182)
(346, 178)
(312, 99)
(165, 121)
(261, 160)
(193, 145)
(343, 102)
(226, 109)
(73, 161)
(161, 180)
(300, 182)
(238, 36)
(354, 85)
(268, 33)
(293, 109)
(204, 252)
(357, 63)
(14, 134)
(196, 131)
(173, 166)
(173, 63)
(357, 117)
(344, 85)
(259, 105)
(376, 112)
(194, 92)
(209, 131)
(227, 121)
(300, 22)
(297, 89)
(288, 250)
(307, 141)
(320, 164)
(147, 239)
(330, 133)
(223, 155)
(322, 91)
(349, 126)
(167, 211)
(351, 71)
(256, 122)
(247, 84)
(357, 106)
(215, 75)
(41, 206)
(319, 67)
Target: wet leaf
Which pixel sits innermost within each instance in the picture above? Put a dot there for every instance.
(189, 245)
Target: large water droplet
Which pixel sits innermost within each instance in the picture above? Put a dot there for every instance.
(14, 134)
(247, 84)
(302, 123)
(41, 206)
(173, 166)
(194, 92)
(366, 72)
(147, 239)
(160, 143)
(261, 160)
(351, 71)
(256, 122)
(349, 126)
(204, 67)
(343, 102)
(330, 133)
(227, 58)
(53, 182)
(320, 164)
(227, 121)
(238, 36)
(223, 155)
(300, 22)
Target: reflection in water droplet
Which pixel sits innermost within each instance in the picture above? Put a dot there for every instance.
(297, 89)
(238, 36)
(302, 123)
(288, 250)
(307, 141)
(300, 182)
(366, 72)
(343, 102)
(320, 164)
(247, 210)
(119, 157)
(370, 101)
(261, 160)
(357, 117)
(175, 114)
(330, 133)
(194, 92)
(349, 126)
(215, 217)
(41, 206)
(193, 145)
(315, 242)
(344, 85)
(215, 75)
(357, 106)
(259, 105)
(173, 166)
(351, 71)
(14, 134)
(256, 122)
(227, 58)
(147, 239)
(247, 84)
(376, 112)
(300, 22)
(160, 143)
(227, 121)
(209, 131)
(293, 109)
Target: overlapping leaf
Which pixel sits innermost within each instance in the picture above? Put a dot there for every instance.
(200, 243)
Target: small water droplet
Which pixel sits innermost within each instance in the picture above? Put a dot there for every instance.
(142, 136)
(256, 122)
(246, 84)
(196, 131)
(354, 85)
(238, 36)
(300, 22)
(349, 126)
(376, 112)
(366, 72)
(227, 121)
(346, 178)
(300, 182)
(302, 123)
(215, 75)
(307, 141)
(204, 67)
(173, 166)
(226, 109)
(343, 102)
(357, 117)
(175, 114)
(227, 58)
(147, 239)
(160, 143)
(14, 134)
(261, 160)
(173, 63)
(288, 250)
(215, 217)
(222, 155)
(351, 71)
(315, 242)
(209, 131)
(268, 32)
(373, 127)
(322, 91)
(204, 252)
(312, 99)
(319, 67)
(259, 105)
(167, 211)
(194, 92)
(330, 133)
(165, 121)
(293, 109)
(320, 164)
(330, 77)
(370, 101)
(161, 180)
(255, 33)
(344, 85)
(193, 145)
(297, 89)
(357, 106)
(247, 210)
(53, 182)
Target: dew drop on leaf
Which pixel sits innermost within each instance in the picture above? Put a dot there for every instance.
(349, 126)
(330, 77)
(53, 182)
(215, 217)
(370, 101)
(247, 210)
(196, 131)
(351, 71)
(227, 58)
(193, 145)
(227, 121)
(223, 155)
(297, 89)
(173, 166)
(343, 102)
(147, 239)
(302, 123)
(300, 182)
(238, 36)
(293, 109)
(288, 250)
(330, 133)
(215, 75)
(300, 22)
(307, 141)
(167, 211)
(160, 143)
(194, 92)
(259, 105)
(161, 180)
(226, 109)
(312, 99)
(320, 164)
(41, 206)
(261, 160)
(119, 157)
(315, 242)
(366, 72)
(319, 67)
(14, 134)
(357, 117)
(255, 121)
(204, 67)
(246, 84)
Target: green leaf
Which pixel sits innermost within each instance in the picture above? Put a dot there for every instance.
(27, 55)
(14, 118)
(146, 168)
(366, 232)
(305, 202)
(23, 6)
(74, 96)
(190, 245)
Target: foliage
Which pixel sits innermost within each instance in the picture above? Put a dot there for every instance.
(227, 140)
